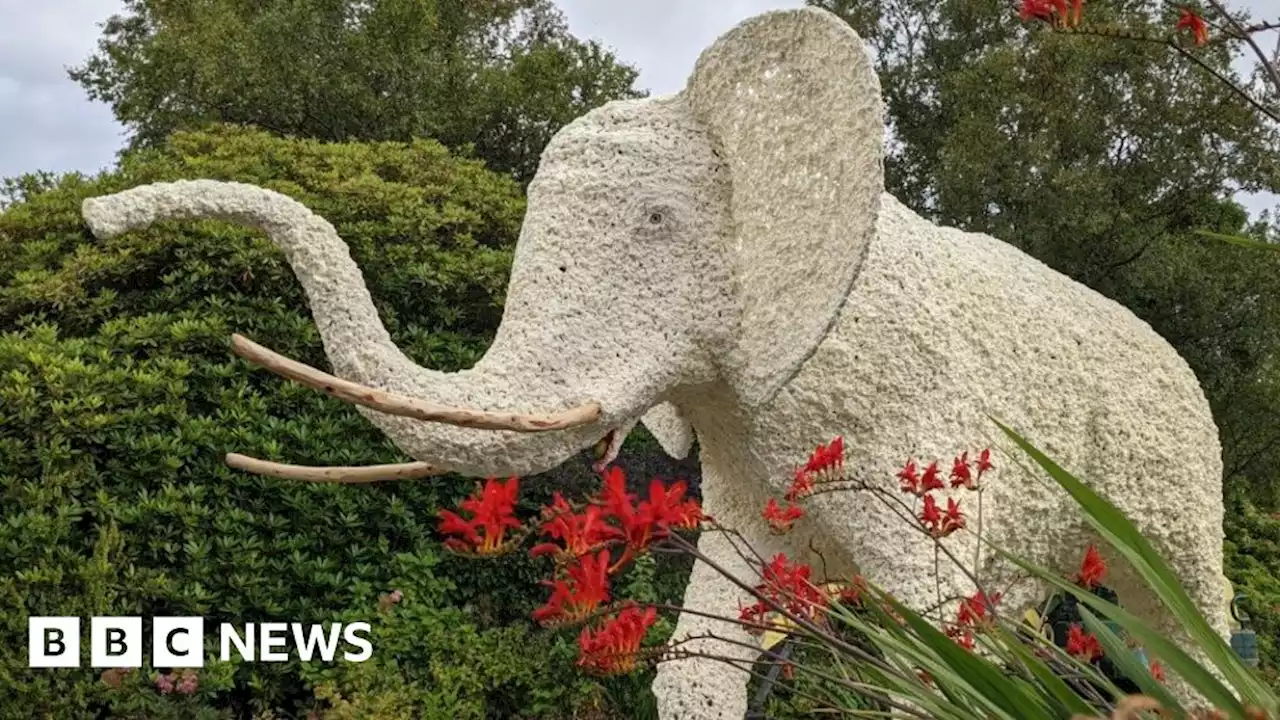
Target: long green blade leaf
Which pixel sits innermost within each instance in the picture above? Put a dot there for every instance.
(1122, 657)
(1239, 240)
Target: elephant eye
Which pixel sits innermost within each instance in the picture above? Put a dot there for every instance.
(655, 218)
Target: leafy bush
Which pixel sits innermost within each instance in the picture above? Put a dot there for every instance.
(119, 397)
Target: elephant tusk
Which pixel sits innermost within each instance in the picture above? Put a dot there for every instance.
(343, 475)
(404, 406)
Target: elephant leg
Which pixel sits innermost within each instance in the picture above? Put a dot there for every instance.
(1196, 561)
(701, 688)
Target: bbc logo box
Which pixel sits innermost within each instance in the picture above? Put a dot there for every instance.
(115, 642)
(178, 642)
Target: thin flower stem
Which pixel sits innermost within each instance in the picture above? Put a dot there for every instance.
(1121, 34)
(745, 645)
(937, 573)
(801, 622)
(942, 603)
(911, 521)
(850, 684)
(708, 635)
(1227, 81)
(977, 551)
(734, 663)
(735, 533)
(764, 627)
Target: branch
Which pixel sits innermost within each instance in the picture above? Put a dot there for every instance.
(1227, 81)
(1124, 34)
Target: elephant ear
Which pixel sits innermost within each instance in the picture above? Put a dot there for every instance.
(671, 430)
(792, 104)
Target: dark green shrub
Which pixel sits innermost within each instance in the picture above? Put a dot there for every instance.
(119, 396)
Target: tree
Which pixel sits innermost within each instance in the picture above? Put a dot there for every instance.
(499, 76)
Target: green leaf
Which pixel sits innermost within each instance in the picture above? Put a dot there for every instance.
(988, 681)
(1239, 240)
(1065, 699)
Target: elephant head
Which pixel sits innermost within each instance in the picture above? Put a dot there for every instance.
(707, 238)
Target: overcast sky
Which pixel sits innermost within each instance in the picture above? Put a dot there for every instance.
(47, 123)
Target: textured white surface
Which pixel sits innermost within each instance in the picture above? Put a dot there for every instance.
(672, 431)
(724, 261)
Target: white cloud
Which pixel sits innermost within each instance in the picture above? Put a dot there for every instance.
(46, 121)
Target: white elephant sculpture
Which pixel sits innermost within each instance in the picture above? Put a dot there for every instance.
(725, 262)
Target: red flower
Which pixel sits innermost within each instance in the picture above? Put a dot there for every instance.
(1054, 11)
(780, 518)
(580, 534)
(1082, 644)
(909, 478)
(558, 506)
(930, 515)
(1192, 22)
(984, 462)
(1037, 10)
(614, 648)
(962, 636)
(753, 614)
(961, 476)
(850, 593)
(1092, 569)
(492, 512)
(791, 586)
(1157, 671)
(941, 524)
(664, 508)
(953, 520)
(617, 502)
(584, 593)
(930, 481)
(801, 486)
(975, 610)
(827, 459)
(667, 507)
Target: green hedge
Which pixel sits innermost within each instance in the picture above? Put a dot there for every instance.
(119, 396)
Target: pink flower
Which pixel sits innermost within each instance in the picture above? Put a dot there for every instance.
(189, 683)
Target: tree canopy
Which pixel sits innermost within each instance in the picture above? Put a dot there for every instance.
(499, 77)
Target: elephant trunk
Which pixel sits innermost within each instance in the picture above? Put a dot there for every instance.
(355, 340)
(360, 349)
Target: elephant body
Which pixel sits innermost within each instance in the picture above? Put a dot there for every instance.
(944, 329)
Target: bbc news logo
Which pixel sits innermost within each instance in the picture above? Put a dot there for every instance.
(178, 642)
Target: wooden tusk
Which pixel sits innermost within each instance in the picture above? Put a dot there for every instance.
(346, 475)
(404, 406)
